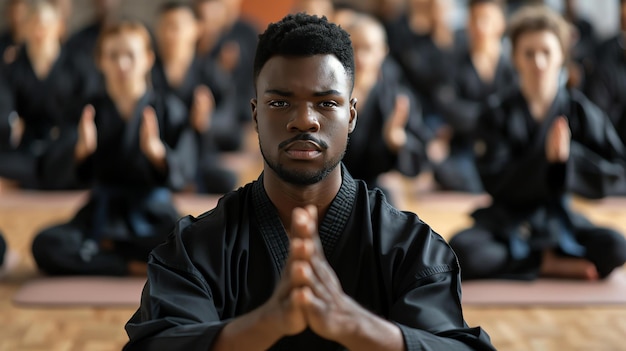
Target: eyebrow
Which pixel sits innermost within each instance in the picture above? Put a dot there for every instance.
(287, 93)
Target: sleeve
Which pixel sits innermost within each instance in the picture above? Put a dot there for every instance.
(180, 143)
(177, 310)
(597, 162)
(427, 297)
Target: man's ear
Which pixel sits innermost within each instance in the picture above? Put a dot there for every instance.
(253, 103)
(353, 115)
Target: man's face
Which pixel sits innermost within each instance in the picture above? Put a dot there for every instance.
(303, 115)
(177, 30)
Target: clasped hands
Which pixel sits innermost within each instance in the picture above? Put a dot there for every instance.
(149, 136)
(309, 293)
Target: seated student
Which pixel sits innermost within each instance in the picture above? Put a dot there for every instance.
(306, 257)
(135, 144)
(82, 45)
(481, 70)
(389, 130)
(12, 38)
(205, 90)
(45, 90)
(534, 148)
(233, 49)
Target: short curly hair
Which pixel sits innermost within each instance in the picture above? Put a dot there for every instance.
(304, 35)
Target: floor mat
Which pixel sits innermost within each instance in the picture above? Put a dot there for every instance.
(546, 292)
(80, 291)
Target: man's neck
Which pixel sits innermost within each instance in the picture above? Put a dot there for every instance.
(286, 196)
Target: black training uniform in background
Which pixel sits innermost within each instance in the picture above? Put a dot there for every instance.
(531, 209)
(130, 204)
(464, 103)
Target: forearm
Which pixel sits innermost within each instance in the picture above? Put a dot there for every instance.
(375, 334)
(250, 331)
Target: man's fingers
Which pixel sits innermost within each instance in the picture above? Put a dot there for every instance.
(303, 225)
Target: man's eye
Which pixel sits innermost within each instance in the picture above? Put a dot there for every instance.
(278, 104)
(328, 104)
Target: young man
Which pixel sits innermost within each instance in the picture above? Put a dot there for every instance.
(534, 147)
(305, 258)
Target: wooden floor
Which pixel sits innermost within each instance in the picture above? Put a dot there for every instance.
(512, 329)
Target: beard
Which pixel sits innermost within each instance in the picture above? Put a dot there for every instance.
(302, 177)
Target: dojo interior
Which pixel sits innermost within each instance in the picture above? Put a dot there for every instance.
(546, 315)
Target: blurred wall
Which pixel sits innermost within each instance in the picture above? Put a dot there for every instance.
(603, 14)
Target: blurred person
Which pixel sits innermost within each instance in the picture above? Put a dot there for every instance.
(46, 90)
(315, 7)
(390, 130)
(535, 147)
(233, 50)
(481, 71)
(7, 114)
(82, 45)
(206, 91)
(613, 48)
(11, 40)
(134, 145)
(584, 44)
(423, 44)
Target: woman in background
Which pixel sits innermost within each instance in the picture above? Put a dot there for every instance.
(45, 90)
(534, 148)
(134, 145)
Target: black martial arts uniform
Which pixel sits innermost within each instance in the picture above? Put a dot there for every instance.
(224, 125)
(44, 105)
(463, 105)
(245, 35)
(368, 156)
(224, 132)
(607, 89)
(82, 46)
(388, 261)
(531, 209)
(7, 112)
(130, 203)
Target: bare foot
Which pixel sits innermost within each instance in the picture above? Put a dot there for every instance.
(567, 267)
(137, 268)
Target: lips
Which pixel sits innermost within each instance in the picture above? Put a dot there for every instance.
(303, 150)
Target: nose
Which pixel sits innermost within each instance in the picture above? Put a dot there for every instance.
(124, 63)
(540, 61)
(304, 119)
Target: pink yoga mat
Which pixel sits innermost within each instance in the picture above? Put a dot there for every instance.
(80, 291)
(546, 292)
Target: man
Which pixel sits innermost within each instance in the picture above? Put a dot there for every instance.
(254, 274)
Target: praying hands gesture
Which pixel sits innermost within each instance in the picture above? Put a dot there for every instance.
(558, 141)
(150, 139)
(202, 109)
(87, 134)
(394, 132)
(309, 295)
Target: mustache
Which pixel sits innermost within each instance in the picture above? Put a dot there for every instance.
(303, 137)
